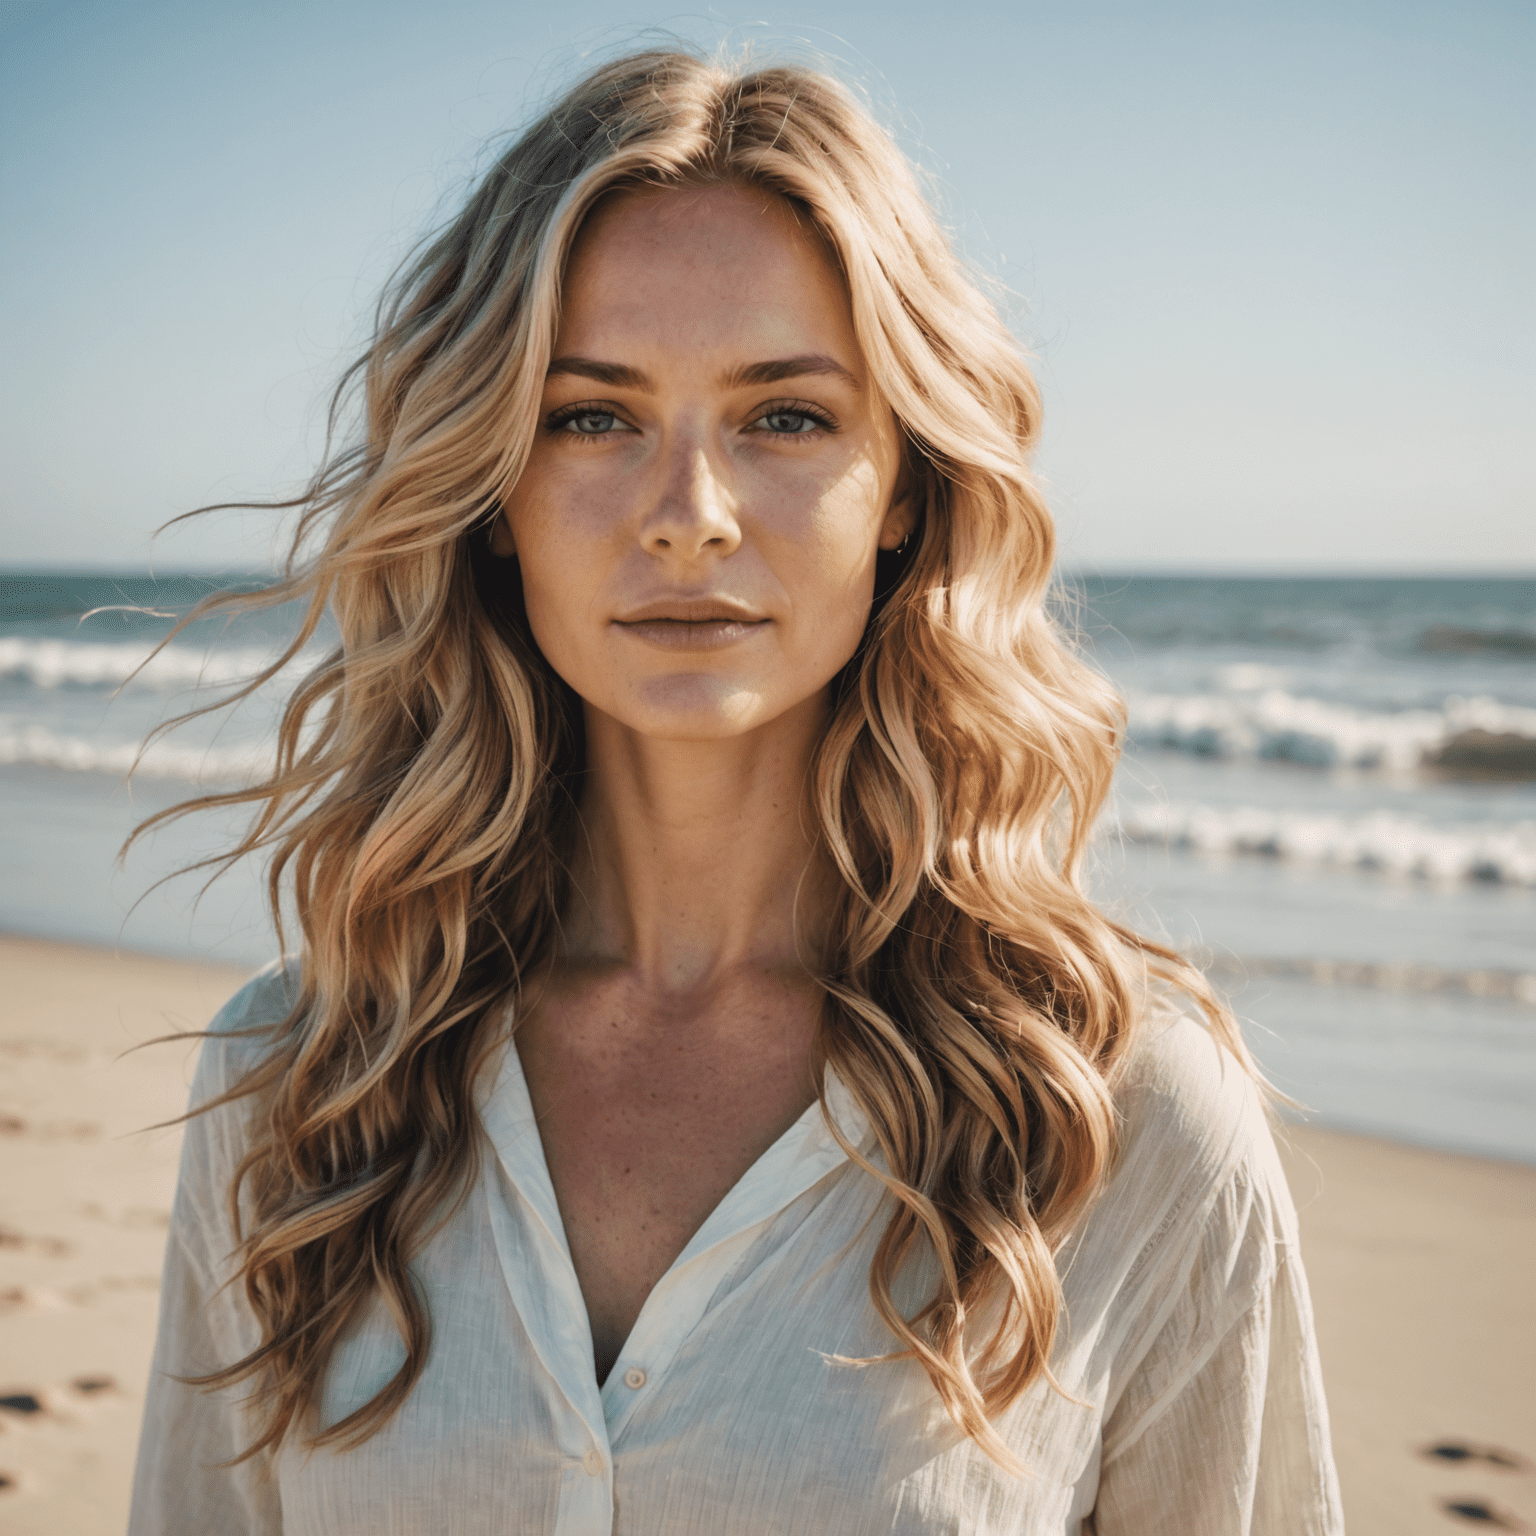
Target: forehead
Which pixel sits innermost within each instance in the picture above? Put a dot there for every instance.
(719, 266)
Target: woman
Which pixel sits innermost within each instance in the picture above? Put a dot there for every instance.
(704, 1099)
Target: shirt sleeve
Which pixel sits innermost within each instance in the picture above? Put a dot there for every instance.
(1223, 1427)
(184, 1484)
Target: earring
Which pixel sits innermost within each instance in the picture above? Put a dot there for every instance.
(901, 548)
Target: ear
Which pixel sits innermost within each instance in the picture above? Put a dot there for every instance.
(500, 540)
(901, 516)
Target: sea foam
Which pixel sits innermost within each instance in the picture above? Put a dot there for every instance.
(37, 747)
(1274, 723)
(49, 663)
(1380, 840)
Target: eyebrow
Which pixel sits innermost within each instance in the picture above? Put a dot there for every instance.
(791, 368)
(621, 376)
(604, 373)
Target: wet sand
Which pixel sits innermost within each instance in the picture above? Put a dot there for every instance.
(1421, 1267)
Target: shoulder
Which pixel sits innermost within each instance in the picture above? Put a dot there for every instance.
(240, 1033)
(217, 1133)
(1186, 1101)
(265, 999)
(1195, 1188)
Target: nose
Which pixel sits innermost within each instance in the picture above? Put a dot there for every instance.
(695, 513)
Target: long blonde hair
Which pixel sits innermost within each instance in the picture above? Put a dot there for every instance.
(422, 805)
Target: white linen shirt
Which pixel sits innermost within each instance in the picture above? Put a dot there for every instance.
(1191, 1401)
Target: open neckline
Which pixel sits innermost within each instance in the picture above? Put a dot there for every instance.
(799, 1158)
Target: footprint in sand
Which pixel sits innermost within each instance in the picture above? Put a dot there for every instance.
(1489, 1455)
(27, 1403)
(1470, 1509)
(53, 1247)
(1480, 1512)
(50, 1130)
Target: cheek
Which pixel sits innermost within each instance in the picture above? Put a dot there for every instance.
(842, 538)
(546, 606)
(558, 603)
(834, 564)
(557, 574)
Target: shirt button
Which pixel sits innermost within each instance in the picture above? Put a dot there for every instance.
(634, 1378)
(593, 1462)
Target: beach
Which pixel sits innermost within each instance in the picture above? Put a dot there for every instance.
(1420, 1264)
(85, 1199)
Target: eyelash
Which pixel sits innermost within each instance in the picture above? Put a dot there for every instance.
(824, 422)
(558, 420)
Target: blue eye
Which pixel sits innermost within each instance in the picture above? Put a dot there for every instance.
(787, 423)
(588, 423)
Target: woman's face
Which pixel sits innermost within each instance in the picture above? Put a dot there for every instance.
(712, 472)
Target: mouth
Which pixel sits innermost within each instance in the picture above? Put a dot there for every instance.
(692, 624)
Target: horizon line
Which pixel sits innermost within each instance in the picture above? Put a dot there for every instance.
(1067, 570)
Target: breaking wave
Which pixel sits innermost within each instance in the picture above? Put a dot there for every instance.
(1380, 840)
(1465, 734)
(37, 747)
(46, 663)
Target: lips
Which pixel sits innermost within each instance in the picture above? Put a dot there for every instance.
(692, 610)
(692, 624)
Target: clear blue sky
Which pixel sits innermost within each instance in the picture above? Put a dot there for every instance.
(1276, 261)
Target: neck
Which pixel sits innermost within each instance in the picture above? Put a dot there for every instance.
(694, 860)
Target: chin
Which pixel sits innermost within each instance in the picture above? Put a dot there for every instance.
(694, 708)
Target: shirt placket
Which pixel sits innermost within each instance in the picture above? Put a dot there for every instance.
(541, 1280)
(804, 1155)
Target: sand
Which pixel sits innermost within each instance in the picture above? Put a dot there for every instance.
(85, 1199)
(1420, 1266)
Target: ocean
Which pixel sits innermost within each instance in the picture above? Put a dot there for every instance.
(1329, 800)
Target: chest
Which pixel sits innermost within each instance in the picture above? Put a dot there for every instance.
(648, 1118)
(744, 1423)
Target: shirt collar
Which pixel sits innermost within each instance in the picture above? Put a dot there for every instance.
(803, 1155)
